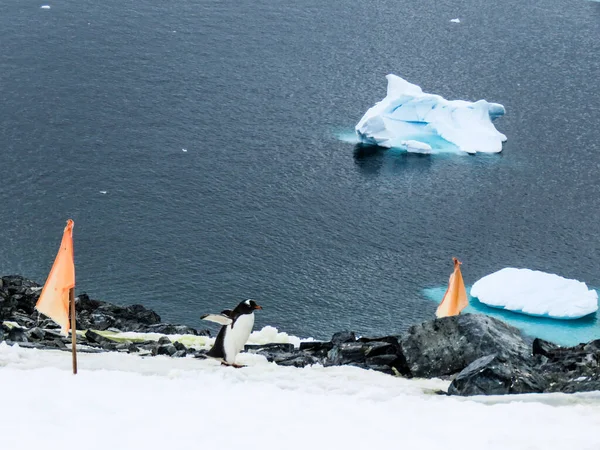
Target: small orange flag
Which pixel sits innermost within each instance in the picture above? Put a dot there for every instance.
(455, 299)
(54, 299)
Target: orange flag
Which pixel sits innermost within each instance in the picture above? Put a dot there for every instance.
(455, 298)
(54, 299)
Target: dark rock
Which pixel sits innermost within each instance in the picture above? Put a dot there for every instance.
(342, 337)
(494, 375)
(84, 303)
(179, 346)
(132, 348)
(99, 321)
(167, 328)
(179, 354)
(168, 350)
(17, 334)
(316, 349)
(541, 347)
(58, 343)
(35, 334)
(272, 348)
(96, 338)
(293, 359)
(446, 346)
(163, 340)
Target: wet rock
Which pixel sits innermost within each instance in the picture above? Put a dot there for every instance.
(168, 350)
(272, 348)
(163, 340)
(297, 359)
(35, 334)
(179, 354)
(167, 328)
(17, 334)
(495, 375)
(316, 349)
(342, 337)
(102, 341)
(446, 346)
(541, 347)
(179, 346)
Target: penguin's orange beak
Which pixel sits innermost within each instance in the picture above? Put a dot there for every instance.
(258, 307)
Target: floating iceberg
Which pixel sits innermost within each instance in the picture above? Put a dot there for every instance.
(411, 120)
(536, 293)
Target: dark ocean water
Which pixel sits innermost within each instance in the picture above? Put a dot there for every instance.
(267, 203)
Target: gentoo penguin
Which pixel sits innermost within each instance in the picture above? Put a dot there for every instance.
(236, 329)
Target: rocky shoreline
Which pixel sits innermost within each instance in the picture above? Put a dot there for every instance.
(480, 354)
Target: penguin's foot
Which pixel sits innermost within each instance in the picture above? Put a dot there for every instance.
(237, 366)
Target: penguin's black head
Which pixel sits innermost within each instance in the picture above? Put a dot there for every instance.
(248, 307)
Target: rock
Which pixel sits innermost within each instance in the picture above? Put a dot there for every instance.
(179, 354)
(167, 328)
(17, 334)
(59, 343)
(163, 340)
(346, 353)
(494, 375)
(35, 334)
(168, 349)
(96, 338)
(179, 346)
(342, 337)
(292, 359)
(446, 346)
(383, 355)
(316, 349)
(541, 347)
(272, 348)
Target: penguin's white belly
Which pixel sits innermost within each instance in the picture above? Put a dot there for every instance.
(236, 337)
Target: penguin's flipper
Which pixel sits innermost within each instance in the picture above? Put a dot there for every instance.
(217, 318)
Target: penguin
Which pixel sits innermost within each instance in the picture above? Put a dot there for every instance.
(235, 330)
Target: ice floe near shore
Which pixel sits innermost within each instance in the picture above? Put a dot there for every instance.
(417, 122)
(536, 293)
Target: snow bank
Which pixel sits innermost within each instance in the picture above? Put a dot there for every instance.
(266, 335)
(411, 120)
(124, 401)
(536, 293)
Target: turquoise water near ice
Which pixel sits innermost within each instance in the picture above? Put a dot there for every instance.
(563, 332)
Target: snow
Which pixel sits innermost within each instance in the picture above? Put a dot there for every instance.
(407, 114)
(125, 401)
(265, 335)
(536, 293)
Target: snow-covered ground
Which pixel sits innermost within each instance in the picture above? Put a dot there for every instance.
(123, 401)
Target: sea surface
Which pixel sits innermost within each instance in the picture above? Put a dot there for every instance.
(196, 144)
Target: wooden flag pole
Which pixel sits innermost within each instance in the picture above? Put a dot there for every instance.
(73, 330)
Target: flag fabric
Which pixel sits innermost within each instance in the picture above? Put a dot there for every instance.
(455, 299)
(54, 299)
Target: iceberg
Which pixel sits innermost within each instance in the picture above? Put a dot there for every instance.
(536, 293)
(414, 121)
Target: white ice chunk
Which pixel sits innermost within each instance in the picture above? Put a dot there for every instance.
(536, 293)
(415, 147)
(45, 7)
(407, 114)
(455, 20)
